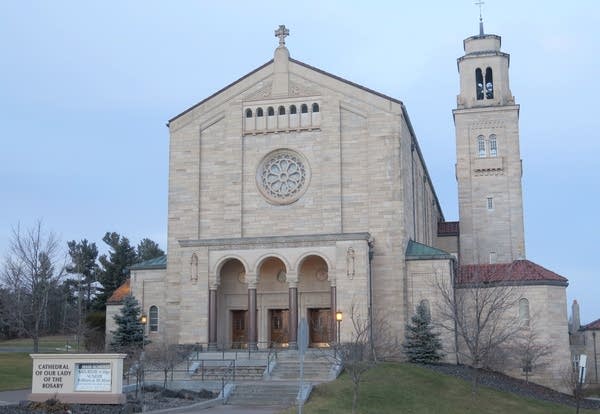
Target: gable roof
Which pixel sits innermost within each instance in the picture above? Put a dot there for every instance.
(156, 263)
(519, 271)
(118, 295)
(592, 326)
(420, 251)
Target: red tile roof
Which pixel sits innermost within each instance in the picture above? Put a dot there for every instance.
(593, 326)
(517, 271)
(119, 294)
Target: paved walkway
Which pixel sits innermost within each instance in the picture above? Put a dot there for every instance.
(11, 397)
(232, 409)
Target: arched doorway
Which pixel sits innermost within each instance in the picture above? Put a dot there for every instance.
(272, 303)
(232, 305)
(316, 300)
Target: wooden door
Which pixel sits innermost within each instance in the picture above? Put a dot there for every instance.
(279, 321)
(319, 326)
(239, 338)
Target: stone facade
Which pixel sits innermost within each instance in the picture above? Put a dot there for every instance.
(294, 194)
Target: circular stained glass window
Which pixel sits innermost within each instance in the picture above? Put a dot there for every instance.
(282, 176)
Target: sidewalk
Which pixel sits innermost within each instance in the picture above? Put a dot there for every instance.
(12, 397)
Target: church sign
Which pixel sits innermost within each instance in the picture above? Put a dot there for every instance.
(78, 378)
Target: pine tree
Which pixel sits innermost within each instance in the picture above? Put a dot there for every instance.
(421, 344)
(130, 331)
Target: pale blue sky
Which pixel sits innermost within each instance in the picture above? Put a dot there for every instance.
(87, 88)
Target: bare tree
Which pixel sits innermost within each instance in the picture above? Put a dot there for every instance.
(478, 314)
(31, 270)
(370, 341)
(531, 353)
(164, 356)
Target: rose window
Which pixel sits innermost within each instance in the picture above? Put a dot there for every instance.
(282, 177)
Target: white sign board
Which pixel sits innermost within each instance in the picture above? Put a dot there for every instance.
(582, 363)
(92, 377)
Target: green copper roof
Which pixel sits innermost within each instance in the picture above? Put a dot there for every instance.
(419, 251)
(156, 263)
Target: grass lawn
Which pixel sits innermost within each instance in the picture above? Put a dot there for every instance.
(47, 343)
(15, 371)
(405, 388)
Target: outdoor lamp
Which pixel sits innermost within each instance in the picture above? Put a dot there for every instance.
(338, 316)
(143, 319)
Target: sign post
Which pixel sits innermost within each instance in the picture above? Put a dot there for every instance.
(302, 347)
(580, 377)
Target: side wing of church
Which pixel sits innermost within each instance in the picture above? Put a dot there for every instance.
(295, 194)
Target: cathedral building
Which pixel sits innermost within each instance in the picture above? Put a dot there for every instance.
(295, 194)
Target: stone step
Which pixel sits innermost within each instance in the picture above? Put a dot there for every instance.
(264, 394)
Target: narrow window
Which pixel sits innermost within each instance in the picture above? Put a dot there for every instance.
(490, 203)
(248, 113)
(315, 107)
(479, 84)
(281, 110)
(492, 257)
(304, 109)
(293, 110)
(489, 84)
(259, 112)
(425, 305)
(524, 312)
(481, 146)
(270, 111)
(153, 318)
(493, 146)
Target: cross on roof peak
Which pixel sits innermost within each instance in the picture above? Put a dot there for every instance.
(282, 32)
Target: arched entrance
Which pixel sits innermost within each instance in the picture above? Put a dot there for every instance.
(272, 303)
(232, 305)
(317, 300)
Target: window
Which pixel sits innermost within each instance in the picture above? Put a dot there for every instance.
(153, 318)
(490, 203)
(304, 109)
(479, 84)
(489, 84)
(425, 304)
(259, 112)
(248, 113)
(481, 146)
(281, 110)
(524, 312)
(293, 110)
(493, 146)
(270, 111)
(492, 257)
(315, 107)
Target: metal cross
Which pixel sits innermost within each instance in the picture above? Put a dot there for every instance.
(480, 3)
(281, 33)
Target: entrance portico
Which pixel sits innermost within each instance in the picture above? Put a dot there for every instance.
(259, 288)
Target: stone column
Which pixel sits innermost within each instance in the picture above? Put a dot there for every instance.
(293, 314)
(252, 322)
(332, 321)
(212, 317)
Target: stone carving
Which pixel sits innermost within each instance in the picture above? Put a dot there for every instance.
(194, 268)
(242, 277)
(321, 274)
(350, 263)
(282, 177)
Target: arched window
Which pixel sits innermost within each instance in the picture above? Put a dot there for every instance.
(489, 84)
(293, 110)
(315, 107)
(248, 113)
(281, 110)
(524, 312)
(153, 318)
(493, 146)
(304, 109)
(479, 84)
(481, 146)
(425, 305)
(270, 111)
(259, 112)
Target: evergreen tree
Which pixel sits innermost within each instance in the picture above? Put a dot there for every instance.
(83, 263)
(113, 270)
(421, 344)
(130, 331)
(148, 249)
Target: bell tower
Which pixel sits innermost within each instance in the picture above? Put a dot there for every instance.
(488, 160)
